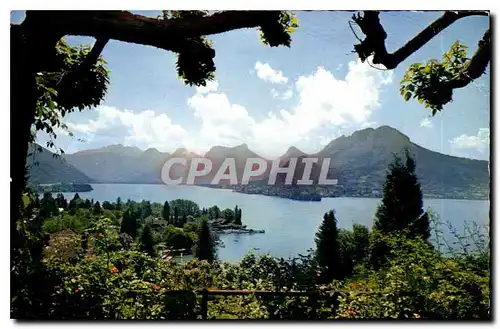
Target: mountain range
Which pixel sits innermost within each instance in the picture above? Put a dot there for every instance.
(358, 161)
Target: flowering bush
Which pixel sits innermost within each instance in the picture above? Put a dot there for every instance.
(112, 283)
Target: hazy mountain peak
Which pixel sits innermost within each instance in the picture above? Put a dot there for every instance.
(243, 146)
(182, 151)
(380, 132)
(387, 130)
(384, 137)
(152, 150)
(217, 148)
(390, 133)
(115, 148)
(293, 152)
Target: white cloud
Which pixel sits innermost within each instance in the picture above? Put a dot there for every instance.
(222, 123)
(287, 94)
(369, 124)
(480, 142)
(324, 140)
(324, 102)
(267, 73)
(426, 123)
(326, 105)
(211, 86)
(145, 129)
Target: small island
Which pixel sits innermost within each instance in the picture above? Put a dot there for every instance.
(227, 221)
(221, 226)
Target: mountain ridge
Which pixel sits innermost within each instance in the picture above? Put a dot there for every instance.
(358, 161)
(183, 149)
(45, 168)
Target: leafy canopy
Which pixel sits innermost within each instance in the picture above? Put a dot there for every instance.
(67, 87)
(425, 81)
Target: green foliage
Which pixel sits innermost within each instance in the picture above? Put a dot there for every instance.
(196, 66)
(147, 242)
(328, 250)
(105, 236)
(424, 82)
(61, 201)
(185, 207)
(228, 215)
(401, 207)
(31, 284)
(176, 216)
(146, 209)
(277, 32)
(64, 221)
(237, 215)
(75, 203)
(191, 227)
(205, 248)
(97, 208)
(108, 205)
(67, 87)
(417, 283)
(129, 223)
(48, 206)
(214, 212)
(96, 274)
(176, 238)
(345, 266)
(126, 241)
(118, 203)
(166, 212)
(361, 237)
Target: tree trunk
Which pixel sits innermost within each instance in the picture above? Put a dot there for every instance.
(23, 98)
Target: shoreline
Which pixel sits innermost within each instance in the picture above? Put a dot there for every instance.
(427, 197)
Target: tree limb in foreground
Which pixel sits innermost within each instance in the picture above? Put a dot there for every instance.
(374, 42)
(431, 83)
(182, 35)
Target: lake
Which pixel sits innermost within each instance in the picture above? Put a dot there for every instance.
(290, 225)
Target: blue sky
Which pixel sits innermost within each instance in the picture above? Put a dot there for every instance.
(271, 98)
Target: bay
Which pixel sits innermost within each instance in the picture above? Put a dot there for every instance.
(290, 225)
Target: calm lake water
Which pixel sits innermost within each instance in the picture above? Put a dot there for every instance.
(290, 225)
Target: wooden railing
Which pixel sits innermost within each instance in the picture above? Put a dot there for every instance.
(313, 297)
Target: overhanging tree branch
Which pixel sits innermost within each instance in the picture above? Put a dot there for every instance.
(476, 66)
(181, 35)
(33, 50)
(94, 54)
(89, 61)
(374, 42)
(172, 34)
